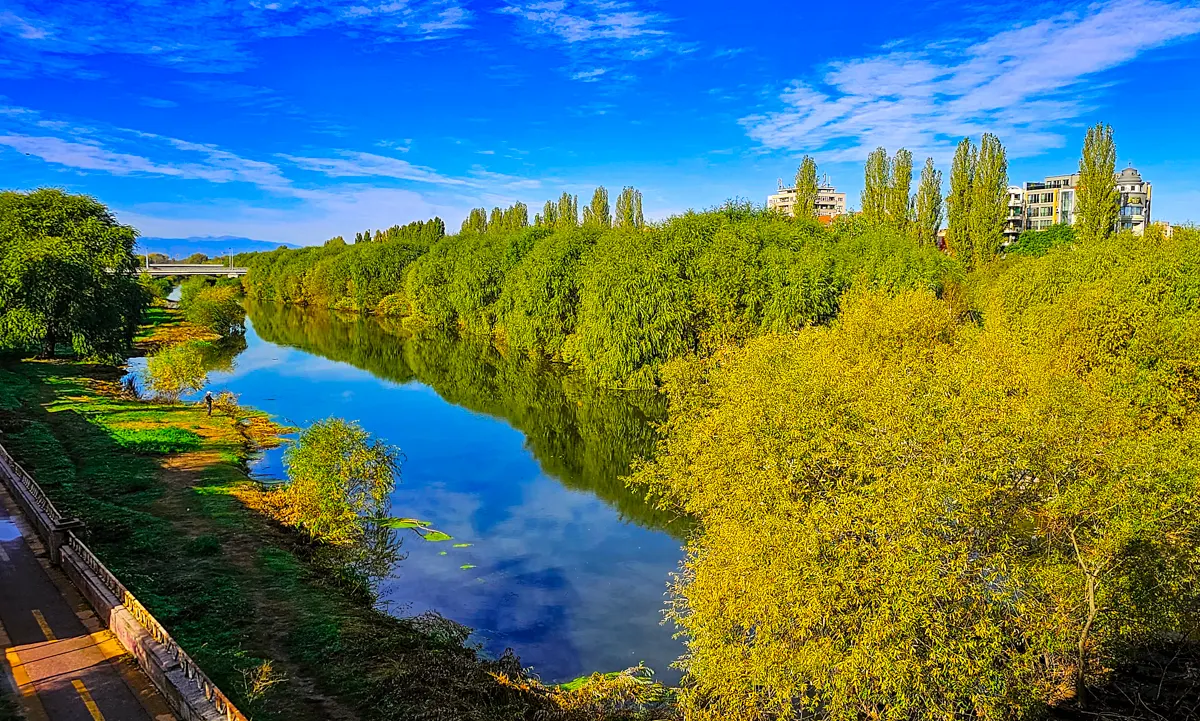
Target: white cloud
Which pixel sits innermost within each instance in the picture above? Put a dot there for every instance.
(612, 30)
(589, 76)
(210, 36)
(361, 165)
(1023, 84)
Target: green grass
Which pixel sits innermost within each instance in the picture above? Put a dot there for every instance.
(230, 586)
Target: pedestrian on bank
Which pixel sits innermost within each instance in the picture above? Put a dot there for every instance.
(208, 401)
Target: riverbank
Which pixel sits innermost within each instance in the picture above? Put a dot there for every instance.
(253, 603)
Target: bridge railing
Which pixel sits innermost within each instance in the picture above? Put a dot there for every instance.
(57, 531)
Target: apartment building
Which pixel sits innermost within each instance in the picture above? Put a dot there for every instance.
(830, 203)
(1053, 201)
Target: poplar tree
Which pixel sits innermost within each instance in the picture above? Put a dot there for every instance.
(806, 189)
(597, 212)
(476, 221)
(629, 209)
(550, 214)
(876, 180)
(989, 200)
(496, 219)
(958, 203)
(928, 219)
(898, 202)
(568, 213)
(1097, 201)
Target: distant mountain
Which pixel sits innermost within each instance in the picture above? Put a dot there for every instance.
(212, 246)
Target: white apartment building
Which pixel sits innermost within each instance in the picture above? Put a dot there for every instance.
(830, 203)
(1053, 201)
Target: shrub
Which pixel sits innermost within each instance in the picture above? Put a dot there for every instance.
(176, 370)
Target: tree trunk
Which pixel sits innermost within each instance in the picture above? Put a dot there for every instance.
(49, 342)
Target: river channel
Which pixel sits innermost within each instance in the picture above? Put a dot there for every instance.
(518, 459)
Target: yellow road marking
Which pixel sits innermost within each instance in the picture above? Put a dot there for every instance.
(41, 620)
(34, 710)
(92, 708)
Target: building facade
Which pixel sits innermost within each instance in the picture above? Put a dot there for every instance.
(1052, 201)
(830, 203)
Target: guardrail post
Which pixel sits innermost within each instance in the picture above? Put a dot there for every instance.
(58, 537)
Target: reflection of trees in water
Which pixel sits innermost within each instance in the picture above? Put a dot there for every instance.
(584, 436)
(359, 567)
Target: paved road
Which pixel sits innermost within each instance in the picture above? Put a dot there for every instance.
(64, 663)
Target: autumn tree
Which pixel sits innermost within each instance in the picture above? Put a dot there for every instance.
(928, 208)
(807, 189)
(1097, 201)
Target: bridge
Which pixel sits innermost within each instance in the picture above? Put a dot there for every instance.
(166, 269)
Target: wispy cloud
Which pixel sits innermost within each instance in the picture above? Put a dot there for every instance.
(158, 102)
(363, 165)
(1024, 84)
(606, 30)
(589, 76)
(209, 36)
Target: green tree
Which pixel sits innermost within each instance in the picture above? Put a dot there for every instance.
(597, 212)
(806, 189)
(67, 275)
(337, 240)
(339, 479)
(989, 201)
(629, 209)
(217, 308)
(568, 212)
(958, 203)
(476, 221)
(175, 370)
(928, 211)
(1097, 201)
(898, 200)
(877, 179)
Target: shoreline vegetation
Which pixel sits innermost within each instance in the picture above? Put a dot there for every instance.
(286, 625)
(927, 480)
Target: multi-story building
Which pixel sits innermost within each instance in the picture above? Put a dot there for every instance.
(1053, 201)
(1015, 221)
(830, 203)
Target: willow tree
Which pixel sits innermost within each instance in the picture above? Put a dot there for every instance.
(877, 178)
(928, 211)
(67, 274)
(898, 199)
(597, 213)
(989, 200)
(1097, 203)
(806, 189)
(958, 203)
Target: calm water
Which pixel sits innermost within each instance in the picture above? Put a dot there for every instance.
(521, 462)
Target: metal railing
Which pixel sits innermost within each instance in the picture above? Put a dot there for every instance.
(33, 491)
(191, 670)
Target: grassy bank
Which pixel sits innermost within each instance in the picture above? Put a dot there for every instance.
(255, 604)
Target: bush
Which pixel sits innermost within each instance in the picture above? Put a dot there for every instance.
(216, 308)
(339, 478)
(176, 370)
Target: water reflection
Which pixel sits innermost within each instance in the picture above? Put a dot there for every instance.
(519, 460)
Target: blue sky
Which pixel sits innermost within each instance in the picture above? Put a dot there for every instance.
(295, 121)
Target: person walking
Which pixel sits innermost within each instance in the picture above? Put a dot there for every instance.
(208, 401)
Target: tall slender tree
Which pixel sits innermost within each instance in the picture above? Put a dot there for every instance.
(958, 203)
(496, 219)
(928, 212)
(898, 200)
(550, 214)
(568, 211)
(989, 200)
(597, 212)
(1097, 202)
(476, 221)
(806, 189)
(629, 209)
(876, 180)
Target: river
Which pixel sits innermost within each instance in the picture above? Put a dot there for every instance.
(518, 459)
